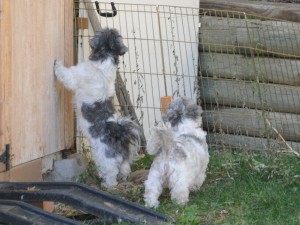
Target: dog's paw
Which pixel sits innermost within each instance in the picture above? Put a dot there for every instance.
(57, 66)
(151, 203)
(109, 184)
(57, 62)
(180, 199)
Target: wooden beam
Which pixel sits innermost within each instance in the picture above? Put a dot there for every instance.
(282, 11)
(92, 14)
(272, 97)
(82, 23)
(5, 77)
(249, 143)
(69, 124)
(250, 122)
(235, 66)
(165, 101)
(249, 37)
(126, 104)
(46, 205)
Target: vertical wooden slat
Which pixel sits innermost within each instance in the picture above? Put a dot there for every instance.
(27, 57)
(69, 133)
(5, 76)
(54, 115)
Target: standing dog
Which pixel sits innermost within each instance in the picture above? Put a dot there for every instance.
(114, 141)
(181, 153)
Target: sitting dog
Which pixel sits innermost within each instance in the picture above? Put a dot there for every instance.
(114, 141)
(181, 153)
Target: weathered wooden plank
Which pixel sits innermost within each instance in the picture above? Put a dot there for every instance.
(250, 36)
(92, 14)
(27, 55)
(69, 126)
(290, 12)
(277, 98)
(249, 143)
(42, 113)
(52, 119)
(266, 69)
(22, 122)
(5, 78)
(250, 122)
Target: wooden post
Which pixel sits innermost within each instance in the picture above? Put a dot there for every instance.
(47, 206)
(165, 101)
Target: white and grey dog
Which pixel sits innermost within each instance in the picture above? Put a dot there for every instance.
(181, 153)
(114, 141)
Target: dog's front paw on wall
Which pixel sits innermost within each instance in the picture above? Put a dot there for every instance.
(57, 66)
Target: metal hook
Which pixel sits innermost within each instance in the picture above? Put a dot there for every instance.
(106, 14)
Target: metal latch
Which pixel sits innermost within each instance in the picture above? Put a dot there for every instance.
(106, 14)
(4, 158)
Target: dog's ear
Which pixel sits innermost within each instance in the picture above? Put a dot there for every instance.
(193, 111)
(94, 41)
(174, 113)
(116, 43)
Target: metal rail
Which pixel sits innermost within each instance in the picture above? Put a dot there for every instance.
(82, 197)
(16, 212)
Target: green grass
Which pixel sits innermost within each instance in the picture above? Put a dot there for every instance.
(241, 188)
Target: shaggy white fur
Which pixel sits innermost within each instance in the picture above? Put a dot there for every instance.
(114, 141)
(181, 154)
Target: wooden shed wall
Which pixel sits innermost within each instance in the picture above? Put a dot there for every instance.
(36, 112)
(250, 72)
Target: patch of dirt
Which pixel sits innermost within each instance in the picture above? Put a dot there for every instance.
(134, 180)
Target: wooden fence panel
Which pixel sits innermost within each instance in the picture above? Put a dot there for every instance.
(250, 143)
(241, 36)
(250, 122)
(282, 11)
(41, 110)
(249, 73)
(239, 67)
(235, 93)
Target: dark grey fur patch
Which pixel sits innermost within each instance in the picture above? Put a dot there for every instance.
(117, 135)
(107, 43)
(99, 111)
(195, 138)
(182, 108)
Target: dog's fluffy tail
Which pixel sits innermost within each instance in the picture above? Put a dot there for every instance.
(161, 139)
(123, 137)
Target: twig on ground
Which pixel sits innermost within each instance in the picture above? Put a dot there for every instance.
(282, 138)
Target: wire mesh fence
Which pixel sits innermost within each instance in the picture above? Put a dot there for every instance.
(249, 79)
(243, 69)
(163, 53)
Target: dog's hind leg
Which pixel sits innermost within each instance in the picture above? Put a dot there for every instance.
(109, 172)
(198, 181)
(153, 188)
(179, 188)
(108, 168)
(124, 169)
